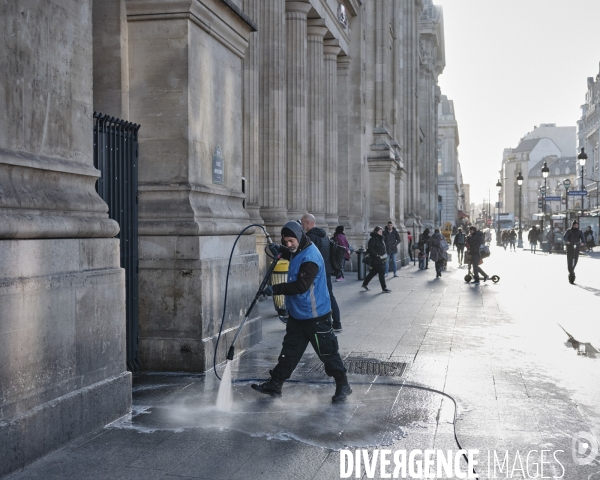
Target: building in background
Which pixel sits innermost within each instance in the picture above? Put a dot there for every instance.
(588, 137)
(449, 172)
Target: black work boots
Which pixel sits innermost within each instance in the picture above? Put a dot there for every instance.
(270, 387)
(342, 390)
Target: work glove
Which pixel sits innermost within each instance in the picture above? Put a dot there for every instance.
(274, 249)
(268, 291)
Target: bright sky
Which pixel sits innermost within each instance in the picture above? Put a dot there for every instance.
(511, 65)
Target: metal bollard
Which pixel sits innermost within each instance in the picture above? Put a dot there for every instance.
(362, 267)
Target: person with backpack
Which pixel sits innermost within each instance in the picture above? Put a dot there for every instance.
(589, 239)
(340, 239)
(459, 243)
(318, 236)
(438, 252)
(378, 257)
(474, 242)
(391, 238)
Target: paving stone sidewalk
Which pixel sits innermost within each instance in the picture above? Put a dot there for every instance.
(513, 394)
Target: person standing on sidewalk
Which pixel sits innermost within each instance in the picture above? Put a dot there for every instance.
(318, 236)
(459, 243)
(573, 240)
(474, 241)
(532, 236)
(391, 238)
(307, 300)
(378, 256)
(410, 245)
(341, 239)
(437, 253)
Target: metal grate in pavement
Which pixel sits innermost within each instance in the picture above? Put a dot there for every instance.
(364, 366)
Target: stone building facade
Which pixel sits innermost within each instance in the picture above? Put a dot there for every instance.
(325, 106)
(588, 137)
(450, 182)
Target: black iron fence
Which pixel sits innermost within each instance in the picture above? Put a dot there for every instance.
(116, 156)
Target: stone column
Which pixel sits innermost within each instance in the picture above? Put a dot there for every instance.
(297, 128)
(343, 143)
(250, 122)
(62, 291)
(331, 50)
(272, 142)
(186, 74)
(316, 124)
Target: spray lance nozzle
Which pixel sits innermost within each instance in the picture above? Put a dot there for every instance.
(231, 353)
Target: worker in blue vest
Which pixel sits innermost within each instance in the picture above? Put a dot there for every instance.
(309, 306)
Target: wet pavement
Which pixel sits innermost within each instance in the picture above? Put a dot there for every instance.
(521, 359)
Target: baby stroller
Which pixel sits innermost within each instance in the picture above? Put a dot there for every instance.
(469, 275)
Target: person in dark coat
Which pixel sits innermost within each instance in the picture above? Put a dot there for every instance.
(378, 255)
(573, 240)
(474, 241)
(341, 239)
(424, 240)
(318, 236)
(532, 236)
(391, 238)
(437, 253)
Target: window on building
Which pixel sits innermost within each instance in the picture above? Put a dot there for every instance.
(557, 171)
(567, 171)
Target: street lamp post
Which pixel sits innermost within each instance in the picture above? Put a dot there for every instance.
(498, 239)
(582, 157)
(567, 185)
(545, 172)
(520, 183)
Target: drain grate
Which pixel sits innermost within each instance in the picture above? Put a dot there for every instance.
(364, 366)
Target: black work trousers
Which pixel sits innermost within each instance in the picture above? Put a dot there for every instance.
(298, 334)
(376, 269)
(476, 268)
(572, 257)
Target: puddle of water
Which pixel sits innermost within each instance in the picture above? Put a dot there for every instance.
(305, 413)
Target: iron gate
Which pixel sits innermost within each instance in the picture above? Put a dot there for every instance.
(116, 156)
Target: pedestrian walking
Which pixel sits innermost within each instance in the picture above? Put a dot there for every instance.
(410, 245)
(340, 238)
(573, 240)
(424, 240)
(309, 306)
(318, 236)
(504, 239)
(512, 237)
(378, 256)
(438, 252)
(473, 242)
(589, 239)
(459, 243)
(532, 237)
(391, 238)
(550, 239)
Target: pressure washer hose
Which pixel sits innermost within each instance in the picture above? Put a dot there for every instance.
(320, 382)
(227, 286)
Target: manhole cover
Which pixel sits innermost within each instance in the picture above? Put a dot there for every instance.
(364, 366)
